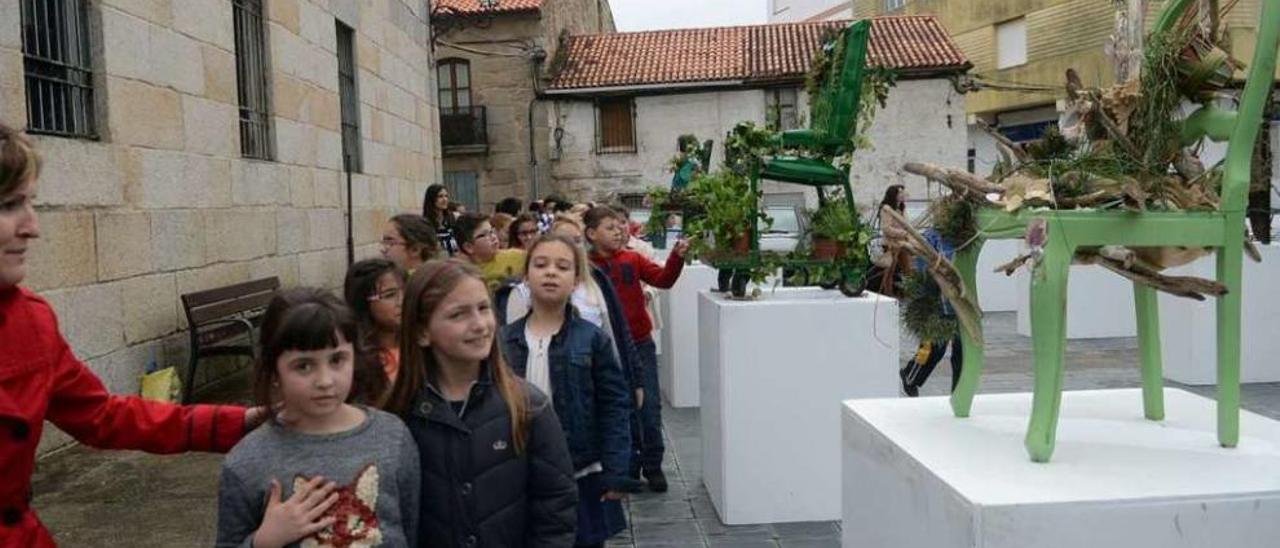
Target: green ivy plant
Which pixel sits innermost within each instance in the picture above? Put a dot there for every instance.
(728, 207)
(835, 221)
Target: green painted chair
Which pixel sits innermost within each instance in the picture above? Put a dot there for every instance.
(1071, 229)
(833, 120)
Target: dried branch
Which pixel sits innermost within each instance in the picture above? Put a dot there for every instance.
(1182, 286)
(959, 181)
(944, 273)
(1014, 149)
(1012, 266)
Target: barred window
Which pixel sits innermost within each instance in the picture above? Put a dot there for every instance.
(780, 109)
(251, 81)
(615, 125)
(56, 63)
(351, 158)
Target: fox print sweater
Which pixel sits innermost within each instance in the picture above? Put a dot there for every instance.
(374, 464)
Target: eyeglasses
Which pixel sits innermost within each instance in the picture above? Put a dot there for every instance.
(389, 243)
(392, 295)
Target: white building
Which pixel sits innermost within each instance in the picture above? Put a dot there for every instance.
(804, 11)
(622, 100)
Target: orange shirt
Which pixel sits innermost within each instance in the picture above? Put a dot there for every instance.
(391, 363)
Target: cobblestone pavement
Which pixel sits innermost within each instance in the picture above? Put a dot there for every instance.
(96, 498)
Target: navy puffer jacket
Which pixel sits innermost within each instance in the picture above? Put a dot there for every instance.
(476, 490)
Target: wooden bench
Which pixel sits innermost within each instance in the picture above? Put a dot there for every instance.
(221, 319)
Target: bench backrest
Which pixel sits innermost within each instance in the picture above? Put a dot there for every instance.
(230, 301)
(834, 114)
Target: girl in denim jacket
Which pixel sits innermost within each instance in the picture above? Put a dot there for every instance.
(573, 360)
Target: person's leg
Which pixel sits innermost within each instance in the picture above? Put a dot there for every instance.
(957, 361)
(935, 353)
(651, 417)
(909, 373)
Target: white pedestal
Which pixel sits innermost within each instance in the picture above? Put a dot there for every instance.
(774, 372)
(678, 362)
(1099, 304)
(915, 476)
(997, 292)
(1189, 333)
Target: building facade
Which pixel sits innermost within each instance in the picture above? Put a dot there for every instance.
(621, 102)
(1021, 50)
(799, 11)
(492, 65)
(191, 144)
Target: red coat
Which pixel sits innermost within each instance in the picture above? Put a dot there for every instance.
(626, 269)
(40, 379)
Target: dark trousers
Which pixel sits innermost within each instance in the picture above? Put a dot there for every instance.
(650, 447)
(917, 372)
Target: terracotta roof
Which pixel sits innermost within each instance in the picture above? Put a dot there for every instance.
(729, 55)
(446, 8)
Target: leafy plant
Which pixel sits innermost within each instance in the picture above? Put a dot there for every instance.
(746, 145)
(835, 221)
(728, 207)
(922, 312)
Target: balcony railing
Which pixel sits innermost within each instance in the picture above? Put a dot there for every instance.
(463, 130)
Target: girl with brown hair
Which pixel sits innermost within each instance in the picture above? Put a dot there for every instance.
(496, 470)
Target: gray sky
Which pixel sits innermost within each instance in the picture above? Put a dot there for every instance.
(632, 15)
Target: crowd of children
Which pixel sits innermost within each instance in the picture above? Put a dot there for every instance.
(413, 411)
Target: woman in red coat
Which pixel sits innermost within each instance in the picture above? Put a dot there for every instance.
(40, 378)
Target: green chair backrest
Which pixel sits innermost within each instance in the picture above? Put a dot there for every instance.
(1253, 101)
(834, 114)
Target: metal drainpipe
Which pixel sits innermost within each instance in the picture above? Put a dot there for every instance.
(536, 56)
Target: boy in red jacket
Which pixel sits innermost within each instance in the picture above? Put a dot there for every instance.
(626, 269)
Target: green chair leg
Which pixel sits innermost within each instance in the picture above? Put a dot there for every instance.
(1230, 259)
(1049, 335)
(966, 261)
(1148, 312)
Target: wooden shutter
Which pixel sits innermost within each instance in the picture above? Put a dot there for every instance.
(617, 125)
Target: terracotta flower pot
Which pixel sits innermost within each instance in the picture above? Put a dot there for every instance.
(827, 249)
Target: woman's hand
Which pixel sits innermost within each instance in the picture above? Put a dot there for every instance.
(297, 518)
(681, 246)
(639, 398)
(612, 495)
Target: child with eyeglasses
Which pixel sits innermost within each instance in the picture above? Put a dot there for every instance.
(374, 289)
(408, 241)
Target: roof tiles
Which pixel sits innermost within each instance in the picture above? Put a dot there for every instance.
(742, 54)
(475, 7)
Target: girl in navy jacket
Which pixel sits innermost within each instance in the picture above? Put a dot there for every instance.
(573, 360)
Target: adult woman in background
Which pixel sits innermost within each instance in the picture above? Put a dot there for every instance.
(40, 378)
(436, 210)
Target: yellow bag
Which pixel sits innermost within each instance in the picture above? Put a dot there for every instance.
(162, 385)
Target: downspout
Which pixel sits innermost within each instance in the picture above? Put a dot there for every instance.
(536, 56)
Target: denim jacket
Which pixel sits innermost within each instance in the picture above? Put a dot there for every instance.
(588, 391)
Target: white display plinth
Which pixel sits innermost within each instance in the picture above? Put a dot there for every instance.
(997, 292)
(774, 372)
(917, 477)
(678, 363)
(1189, 333)
(1099, 304)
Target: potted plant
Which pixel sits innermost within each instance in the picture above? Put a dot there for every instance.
(834, 229)
(727, 208)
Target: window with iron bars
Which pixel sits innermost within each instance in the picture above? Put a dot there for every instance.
(894, 5)
(351, 151)
(57, 68)
(251, 81)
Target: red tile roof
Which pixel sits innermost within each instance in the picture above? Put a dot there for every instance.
(446, 8)
(729, 55)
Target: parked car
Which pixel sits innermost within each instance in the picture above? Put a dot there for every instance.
(785, 234)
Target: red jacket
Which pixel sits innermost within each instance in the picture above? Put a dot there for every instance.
(626, 269)
(40, 379)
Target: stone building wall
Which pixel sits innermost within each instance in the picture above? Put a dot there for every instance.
(163, 203)
(503, 81)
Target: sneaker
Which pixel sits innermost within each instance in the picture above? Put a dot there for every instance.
(908, 389)
(657, 480)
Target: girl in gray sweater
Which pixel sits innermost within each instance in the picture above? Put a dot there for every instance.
(350, 472)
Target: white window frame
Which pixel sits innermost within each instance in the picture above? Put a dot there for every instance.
(894, 5)
(1011, 43)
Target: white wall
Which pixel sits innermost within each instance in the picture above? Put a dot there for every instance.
(917, 125)
(660, 120)
(793, 11)
(923, 121)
